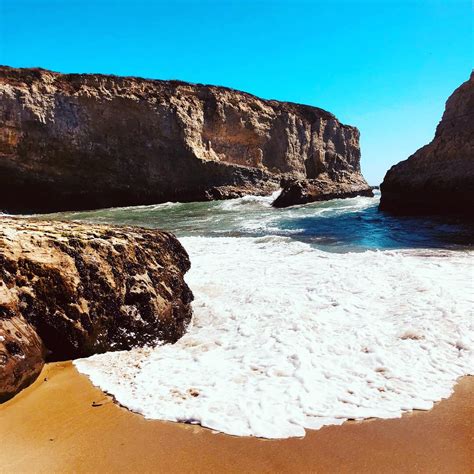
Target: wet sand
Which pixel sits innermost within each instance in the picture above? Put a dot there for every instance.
(63, 424)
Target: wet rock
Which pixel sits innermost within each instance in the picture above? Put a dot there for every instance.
(78, 141)
(439, 177)
(71, 290)
(306, 191)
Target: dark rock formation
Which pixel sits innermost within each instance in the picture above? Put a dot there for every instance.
(71, 290)
(81, 141)
(305, 191)
(438, 178)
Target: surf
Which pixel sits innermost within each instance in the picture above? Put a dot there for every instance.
(287, 337)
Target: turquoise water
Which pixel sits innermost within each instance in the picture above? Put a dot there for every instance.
(339, 225)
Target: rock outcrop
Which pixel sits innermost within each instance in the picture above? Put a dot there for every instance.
(71, 290)
(439, 177)
(306, 191)
(80, 141)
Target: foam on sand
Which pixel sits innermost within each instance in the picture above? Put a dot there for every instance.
(286, 337)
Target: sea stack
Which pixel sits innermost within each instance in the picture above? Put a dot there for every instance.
(82, 141)
(71, 290)
(439, 177)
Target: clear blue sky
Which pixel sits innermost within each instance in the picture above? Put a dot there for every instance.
(385, 66)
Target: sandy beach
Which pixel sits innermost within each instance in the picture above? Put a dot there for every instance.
(62, 423)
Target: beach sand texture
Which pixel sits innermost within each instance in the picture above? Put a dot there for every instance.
(62, 423)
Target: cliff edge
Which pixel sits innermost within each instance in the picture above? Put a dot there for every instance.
(81, 141)
(439, 177)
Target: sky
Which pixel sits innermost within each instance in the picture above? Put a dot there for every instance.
(384, 66)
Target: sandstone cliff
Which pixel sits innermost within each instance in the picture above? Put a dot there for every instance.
(439, 177)
(81, 141)
(71, 290)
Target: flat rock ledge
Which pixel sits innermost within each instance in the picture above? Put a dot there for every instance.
(70, 290)
(306, 191)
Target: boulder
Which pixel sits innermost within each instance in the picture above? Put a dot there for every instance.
(70, 290)
(439, 177)
(83, 141)
(306, 191)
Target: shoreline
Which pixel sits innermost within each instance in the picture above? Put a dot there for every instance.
(63, 423)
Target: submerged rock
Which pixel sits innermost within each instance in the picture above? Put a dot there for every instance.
(79, 141)
(71, 290)
(439, 177)
(305, 191)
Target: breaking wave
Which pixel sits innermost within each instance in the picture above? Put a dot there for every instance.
(339, 225)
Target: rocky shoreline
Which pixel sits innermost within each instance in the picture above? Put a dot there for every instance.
(70, 290)
(81, 141)
(77, 141)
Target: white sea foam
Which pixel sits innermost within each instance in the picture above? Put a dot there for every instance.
(286, 337)
(242, 202)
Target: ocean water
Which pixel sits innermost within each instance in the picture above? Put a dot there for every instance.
(303, 317)
(339, 225)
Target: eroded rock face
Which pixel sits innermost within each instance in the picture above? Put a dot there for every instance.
(306, 191)
(71, 290)
(87, 141)
(439, 177)
(21, 351)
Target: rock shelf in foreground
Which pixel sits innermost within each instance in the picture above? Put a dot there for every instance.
(70, 290)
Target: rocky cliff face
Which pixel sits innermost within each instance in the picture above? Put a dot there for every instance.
(438, 178)
(85, 141)
(71, 290)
